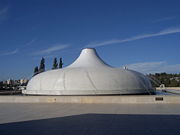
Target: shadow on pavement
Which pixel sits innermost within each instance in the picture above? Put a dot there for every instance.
(97, 124)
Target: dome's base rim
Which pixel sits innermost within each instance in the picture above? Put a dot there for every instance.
(88, 92)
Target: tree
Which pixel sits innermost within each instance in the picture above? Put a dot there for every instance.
(42, 65)
(55, 64)
(36, 70)
(60, 63)
(173, 83)
(170, 80)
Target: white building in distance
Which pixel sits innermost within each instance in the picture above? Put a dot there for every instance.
(89, 75)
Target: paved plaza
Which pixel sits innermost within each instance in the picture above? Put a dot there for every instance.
(89, 119)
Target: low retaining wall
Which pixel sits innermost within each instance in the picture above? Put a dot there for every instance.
(169, 88)
(140, 99)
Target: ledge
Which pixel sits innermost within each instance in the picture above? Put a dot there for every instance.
(133, 99)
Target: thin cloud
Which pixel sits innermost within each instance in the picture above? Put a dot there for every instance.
(46, 57)
(165, 19)
(155, 67)
(3, 13)
(10, 53)
(138, 37)
(30, 42)
(51, 49)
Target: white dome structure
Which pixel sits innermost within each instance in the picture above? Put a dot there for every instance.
(89, 75)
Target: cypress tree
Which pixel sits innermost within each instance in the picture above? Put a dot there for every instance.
(55, 64)
(60, 63)
(36, 70)
(42, 65)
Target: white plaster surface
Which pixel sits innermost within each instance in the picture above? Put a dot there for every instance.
(89, 75)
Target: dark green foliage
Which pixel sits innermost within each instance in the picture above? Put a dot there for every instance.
(60, 63)
(169, 80)
(1, 85)
(55, 64)
(42, 65)
(36, 70)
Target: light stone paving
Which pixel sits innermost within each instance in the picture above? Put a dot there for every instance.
(89, 119)
(10, 112)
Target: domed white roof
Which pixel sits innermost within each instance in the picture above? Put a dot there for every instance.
(89, 75)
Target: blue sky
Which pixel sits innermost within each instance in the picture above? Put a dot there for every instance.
(144, 35)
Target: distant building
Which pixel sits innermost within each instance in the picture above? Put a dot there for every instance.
(23, 81)
(9, 82)
(175, 78)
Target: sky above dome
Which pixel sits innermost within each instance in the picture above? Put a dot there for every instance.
(143, 35)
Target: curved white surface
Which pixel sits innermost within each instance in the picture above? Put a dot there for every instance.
(89, 75)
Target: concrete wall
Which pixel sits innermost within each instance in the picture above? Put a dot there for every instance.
(140, 99)
(169, 88)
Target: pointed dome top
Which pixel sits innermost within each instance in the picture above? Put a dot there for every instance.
(89, 58)
(89, 75)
